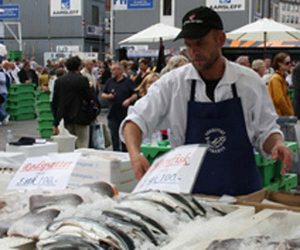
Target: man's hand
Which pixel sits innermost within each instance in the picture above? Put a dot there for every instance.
(55, 130)
(140, 166)
(126, 103)
(284, 154)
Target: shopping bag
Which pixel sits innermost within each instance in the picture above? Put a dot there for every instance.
(97, 137)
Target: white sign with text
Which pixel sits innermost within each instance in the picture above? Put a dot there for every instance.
(44, 172)
(226, 5)
(175, 171)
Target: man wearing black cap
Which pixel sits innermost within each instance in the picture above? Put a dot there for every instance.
(212, 101)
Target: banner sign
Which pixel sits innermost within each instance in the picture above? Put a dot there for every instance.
(175, 171)
(9, 12)
(45, 172)
(65, 8)
(226, 5)
(132, 4)
(140, 4)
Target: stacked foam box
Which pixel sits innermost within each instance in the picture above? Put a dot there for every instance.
(100, 165)
(20, 104)
(44, 114)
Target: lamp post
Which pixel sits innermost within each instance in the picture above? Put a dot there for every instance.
(111, 40)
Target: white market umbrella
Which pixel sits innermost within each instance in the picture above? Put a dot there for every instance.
(265, 30)
(153, 34)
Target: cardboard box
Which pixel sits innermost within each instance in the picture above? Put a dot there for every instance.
(100, 165)
(264, 199)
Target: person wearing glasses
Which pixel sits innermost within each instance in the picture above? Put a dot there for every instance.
(278, 86)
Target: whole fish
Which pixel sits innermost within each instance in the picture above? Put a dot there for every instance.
(103, 188)
(121, 217)
(31, 225)
(89, 229)
(164, 198)
(37, 202)
(145, 218)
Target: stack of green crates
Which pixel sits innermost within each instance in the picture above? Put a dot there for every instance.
(15, 55)
(270, 171)
(20, 104)
(44, 114)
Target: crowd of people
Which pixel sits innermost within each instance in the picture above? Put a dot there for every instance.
(122, 83)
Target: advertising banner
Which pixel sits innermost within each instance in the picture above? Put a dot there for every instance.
(65, 8)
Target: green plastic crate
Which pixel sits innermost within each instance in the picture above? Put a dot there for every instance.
(20, 97)
(19, 104)
(46, 124)
(15, 55)
(42, 104)
(21, 110)
(21, 88)
(272, 186)
(45, 115)
(22, 117)
(42, 95)
(151, 152)
(46, 132)
(269, 172)
(288, 182)
(293, 146)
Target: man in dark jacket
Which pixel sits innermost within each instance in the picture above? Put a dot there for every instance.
(70, 91)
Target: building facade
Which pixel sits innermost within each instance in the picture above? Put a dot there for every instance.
(58, 26)
(128, 21)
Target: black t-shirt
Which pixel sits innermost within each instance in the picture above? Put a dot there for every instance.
(210, 88)
(122, 90)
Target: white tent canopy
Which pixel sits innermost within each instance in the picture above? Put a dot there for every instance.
(153, 34)
(265, 30)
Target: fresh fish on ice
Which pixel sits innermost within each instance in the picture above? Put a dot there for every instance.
(85, 228)
(37, 202)
(103, 188)
(31, 225)
(142, 227)
(144, 218)
(164, 198)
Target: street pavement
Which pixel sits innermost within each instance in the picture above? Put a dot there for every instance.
(29, 129)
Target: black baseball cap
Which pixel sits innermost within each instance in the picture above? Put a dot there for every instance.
(198, 22)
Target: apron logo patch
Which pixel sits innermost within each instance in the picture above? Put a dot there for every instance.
(215, 138)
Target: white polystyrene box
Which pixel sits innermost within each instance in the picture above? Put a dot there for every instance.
(11, 159)
(35, 149)
(100, 165)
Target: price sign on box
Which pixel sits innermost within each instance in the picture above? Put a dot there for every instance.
(175, 171)
(45, 172)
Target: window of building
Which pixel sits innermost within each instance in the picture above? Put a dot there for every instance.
(95, 15)
(167, 7)
(283, 6)
(283, 18)
(296, 20)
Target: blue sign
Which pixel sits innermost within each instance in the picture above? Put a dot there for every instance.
(139, 4)
(9, 12)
